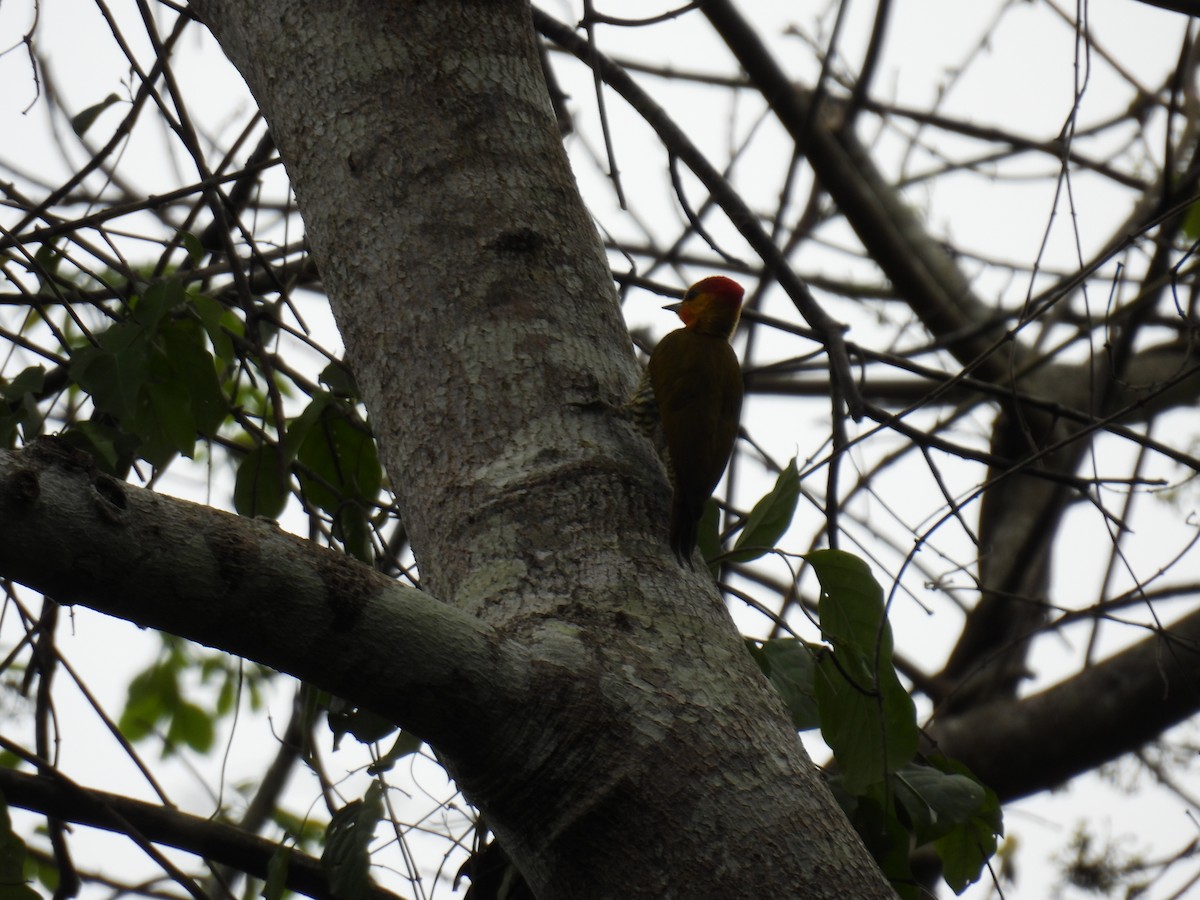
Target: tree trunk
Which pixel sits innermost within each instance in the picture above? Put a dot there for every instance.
(640, 753)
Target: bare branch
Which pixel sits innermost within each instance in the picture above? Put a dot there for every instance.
(54, 795)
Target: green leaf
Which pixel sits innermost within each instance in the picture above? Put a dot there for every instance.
(12, 861)
(277, 872)
(113, 372)
(851, 611)
(789, 665)
(213, 664)
(152, 305)
(164, 422)
(340, 453)
(965, 850)
(154, 376)
(964, 853)
(192, 367)
(937, 802)
(151, 695)
(191, 726)
(46, 872)
(301, 829)
(27, 381)
(261, 486)
(867, 717)
(46, 262)
(770, 518)
(365, 726)
(886, 839)
(406, 744)
(155, 701)
(8, 431)
(352, 527)
(12, 850)
(1191, 222)
(21, 393)
(82, 121)
(215, 319)
(112, 448)
(298, 428)
(867, 742)
(346, 858)
(340, 381)
(191, 243)
(226, 695)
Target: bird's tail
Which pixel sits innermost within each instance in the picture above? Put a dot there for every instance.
(685, 526)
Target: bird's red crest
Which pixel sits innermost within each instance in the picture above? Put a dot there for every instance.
(719, 286)
(712, 304)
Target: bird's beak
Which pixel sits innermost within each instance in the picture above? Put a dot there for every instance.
(674, 307)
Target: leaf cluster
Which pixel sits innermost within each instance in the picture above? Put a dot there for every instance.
(847, 687)
(160, 700)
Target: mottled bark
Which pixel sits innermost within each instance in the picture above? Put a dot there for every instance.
(644, 755)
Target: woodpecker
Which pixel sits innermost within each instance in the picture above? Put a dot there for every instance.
(690, 400)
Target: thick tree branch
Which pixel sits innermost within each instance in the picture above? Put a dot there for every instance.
(216, 841)
(1187, 7)
(1024, 746)
(243, 586)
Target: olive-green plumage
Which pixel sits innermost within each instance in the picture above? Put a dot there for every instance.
(697, 389)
